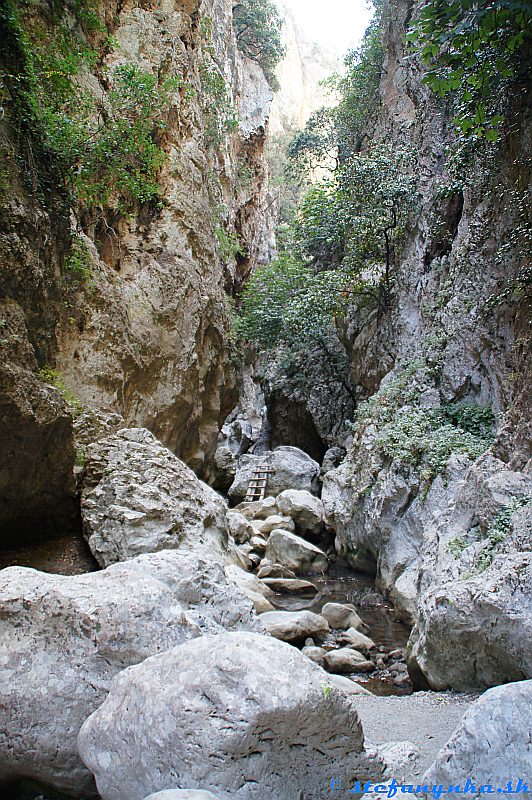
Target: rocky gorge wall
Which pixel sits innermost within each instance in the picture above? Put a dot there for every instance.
(148, 334)
(449, 542)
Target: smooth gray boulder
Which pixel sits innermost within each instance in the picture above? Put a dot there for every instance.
(247, 582)
(138, 497)
(258, 509)
(296, 553)
(240, 715)
(358, 640)
(294, 626)
(239, 527)
(269, 570)
(258, 545)
(342, 616)
(304, 508)
(492, 744)
(266, 526)
(290, 586)
(63, 640)
(475, 632)
(182, 794)
(291, 469)
(316, 654)
(346, 661)
(474, 618)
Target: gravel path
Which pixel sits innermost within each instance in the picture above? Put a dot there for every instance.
(427, 719)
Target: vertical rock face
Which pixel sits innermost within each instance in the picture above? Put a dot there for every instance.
(305, 65)
(446, 340)
(36, 441)
(148, 335)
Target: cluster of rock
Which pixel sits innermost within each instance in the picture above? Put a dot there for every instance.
(472, 626)
(273, 535)
(155, 677)
(162, 646)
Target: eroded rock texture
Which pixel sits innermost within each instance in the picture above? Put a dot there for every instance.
(254, 722)
(440, 540)
(63, 640)
(148, 335)
(139, 498)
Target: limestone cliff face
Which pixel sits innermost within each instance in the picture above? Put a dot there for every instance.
(148, 335)
(462, 251)
(305, 65)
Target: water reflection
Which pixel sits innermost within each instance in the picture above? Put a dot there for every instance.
(342, 585)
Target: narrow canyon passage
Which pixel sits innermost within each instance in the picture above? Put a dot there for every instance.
(265, 429)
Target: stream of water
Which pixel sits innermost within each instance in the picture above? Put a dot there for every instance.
(70, 555)
(342, 585)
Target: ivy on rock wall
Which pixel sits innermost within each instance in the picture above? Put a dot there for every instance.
(104, 150)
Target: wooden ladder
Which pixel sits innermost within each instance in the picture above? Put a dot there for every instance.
(258, 482)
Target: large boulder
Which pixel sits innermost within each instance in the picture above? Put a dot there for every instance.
(266, 526)
(342, 616)
(474, 618)
(295, 553)
(140, 498)
(291, 469)
(345, 661)
(491, 745)
(476, 632)
(354, 638)
(258, 509)
(381, 518)
(239, 527)
(305, 509)
(453, 556)
(63, 640)
(240, 715)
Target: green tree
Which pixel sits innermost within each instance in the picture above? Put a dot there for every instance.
(121, 160)
(316, 146)
(287, 303)
(333, 134)
(472, 48)
(258, 26)
(356, 219)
